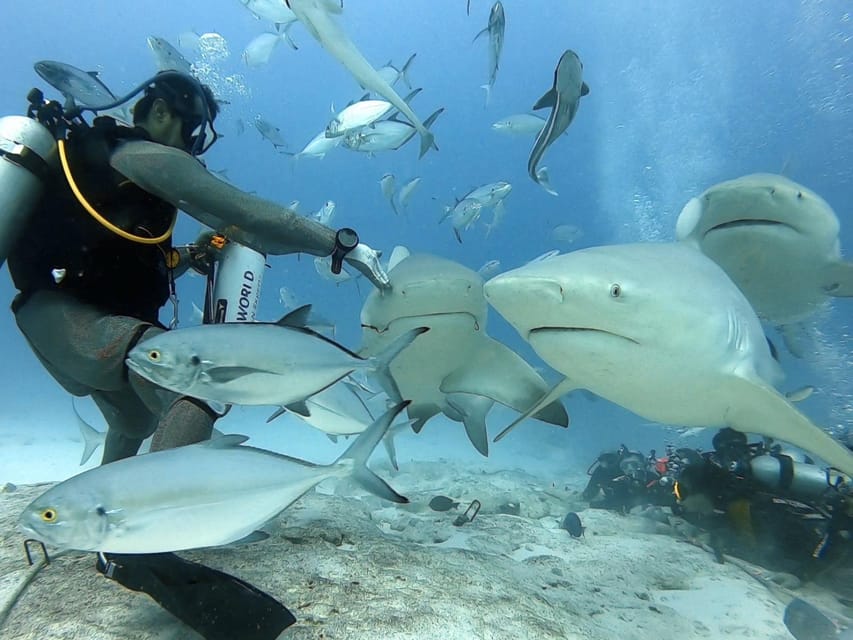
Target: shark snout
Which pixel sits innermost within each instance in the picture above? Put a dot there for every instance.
(523, 300)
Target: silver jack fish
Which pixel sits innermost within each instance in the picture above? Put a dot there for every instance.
(255, 363)
(563, 98)
(201, 495)
(495, 29)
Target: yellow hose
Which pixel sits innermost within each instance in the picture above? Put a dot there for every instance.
(97, 216)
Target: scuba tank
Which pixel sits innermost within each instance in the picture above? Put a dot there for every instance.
(239, 274)
(798, 479)
(27, 157)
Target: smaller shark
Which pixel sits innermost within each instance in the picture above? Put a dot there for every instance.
(778, 242)
(563, 98)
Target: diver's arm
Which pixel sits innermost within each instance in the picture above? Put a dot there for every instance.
(178, 178)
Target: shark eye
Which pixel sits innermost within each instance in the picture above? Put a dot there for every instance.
(48, 515)
(195, 361)
(154, 355)
(615, 290)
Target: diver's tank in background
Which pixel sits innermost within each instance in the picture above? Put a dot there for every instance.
(27, 154)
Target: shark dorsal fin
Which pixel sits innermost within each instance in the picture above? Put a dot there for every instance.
(296, 318)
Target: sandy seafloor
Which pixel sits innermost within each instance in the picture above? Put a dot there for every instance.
(351, 566)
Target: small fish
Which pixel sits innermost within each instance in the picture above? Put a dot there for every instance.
(563, 98)
(84, 87)
(495, 30)
(491, 194)
(385, 135)
(463, 215)
(269, 132)
(357, 115)
(323, 265)
(167, 57)
(798, 395)
(566, 233)
(324, 214)
(392, 74)
(498, 214)
(489, 269)
(572, 524)
(520, 124)
(387, 183)
(442, 503)
(406, 191)
(318, 146)
(259, 51)
(201, 495)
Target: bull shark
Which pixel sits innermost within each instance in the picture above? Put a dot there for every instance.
(563, 98)
(778, 241)
(495, 30)
(455, 368)
(317, 16)
(659, 329)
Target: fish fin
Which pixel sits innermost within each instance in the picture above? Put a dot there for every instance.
(360, 450)
(756, 407)
(427, 142)
(276, 414)
(497, 372)
(798, 395)
(458, 237)
(381, 362)
(229, 374)
(299, 408)
(473, 409)
(287, 37)
(299, 317)
(584, 89)
(483, 31)
(420, 414)
(838, 279)
(92, 438)
(796, 338)
(255, 536)
(398, 254)
(547, 100)
(404, 72)
(468, 8)
(557, 391)
(225, 442)
(333, 437)
(412, 94)
(390, 449)
(432, 117)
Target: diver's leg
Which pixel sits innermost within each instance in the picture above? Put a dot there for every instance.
(187, 421)
(129, 420)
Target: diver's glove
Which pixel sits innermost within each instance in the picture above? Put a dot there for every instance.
(359, 255)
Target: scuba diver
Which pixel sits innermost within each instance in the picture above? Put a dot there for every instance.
(756, 500)
(93, 262)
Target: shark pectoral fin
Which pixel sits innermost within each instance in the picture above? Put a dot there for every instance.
(547, 100)
(420, 413)
(299, 408)
(473, 410)
(398, 254)
(557, 391)
(796, 338)
(276, 414)
(837, 279)
(497, 372)
(584, 89)
(255, 536)
(758, 408)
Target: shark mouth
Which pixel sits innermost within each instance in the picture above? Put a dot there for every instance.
(748, 222)
(438, 314)
(546, 330)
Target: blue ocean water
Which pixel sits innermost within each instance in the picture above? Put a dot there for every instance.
(683, 95)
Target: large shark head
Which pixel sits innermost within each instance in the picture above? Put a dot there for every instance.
(760, 203)
(653, 309)
(426, 286)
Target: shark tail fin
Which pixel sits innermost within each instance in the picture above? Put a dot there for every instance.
(359, 452)
(427, 142)
(92, 438)
(558, 390)
(380, 363)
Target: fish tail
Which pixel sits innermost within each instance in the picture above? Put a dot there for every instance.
(427, 142)
(92, 438)
(380, 363)
(360, 450)
(404, 72)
